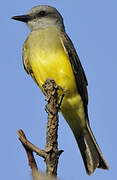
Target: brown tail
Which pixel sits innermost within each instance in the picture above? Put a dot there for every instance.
(90, 151)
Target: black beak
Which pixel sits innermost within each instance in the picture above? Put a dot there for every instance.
(23, 18)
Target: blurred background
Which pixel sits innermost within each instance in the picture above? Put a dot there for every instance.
(92, 26)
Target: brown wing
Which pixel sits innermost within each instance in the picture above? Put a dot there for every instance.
(79, 74)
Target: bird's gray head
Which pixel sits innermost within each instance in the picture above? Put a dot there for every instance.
(41, 17)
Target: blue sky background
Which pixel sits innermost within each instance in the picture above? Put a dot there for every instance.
(92, 26)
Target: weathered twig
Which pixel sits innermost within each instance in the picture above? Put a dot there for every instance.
(51, 153)
(52, 127)
(28, 145)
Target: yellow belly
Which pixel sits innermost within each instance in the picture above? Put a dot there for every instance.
(53, 65)
(48, 59)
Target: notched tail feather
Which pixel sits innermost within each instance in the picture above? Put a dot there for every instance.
(89, 155)
(90, 151)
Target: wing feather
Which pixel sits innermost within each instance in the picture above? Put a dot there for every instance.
(79, 73)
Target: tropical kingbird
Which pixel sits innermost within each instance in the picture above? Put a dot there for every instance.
(49, 53)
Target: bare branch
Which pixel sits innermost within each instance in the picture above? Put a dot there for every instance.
(29, 145)
(52, 108)
(51, 153)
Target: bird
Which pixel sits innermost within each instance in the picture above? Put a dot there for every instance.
(48, 52)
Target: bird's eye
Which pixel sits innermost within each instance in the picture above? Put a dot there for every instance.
(42, 13)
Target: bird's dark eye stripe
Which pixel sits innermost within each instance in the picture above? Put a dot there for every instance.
(42, 13)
